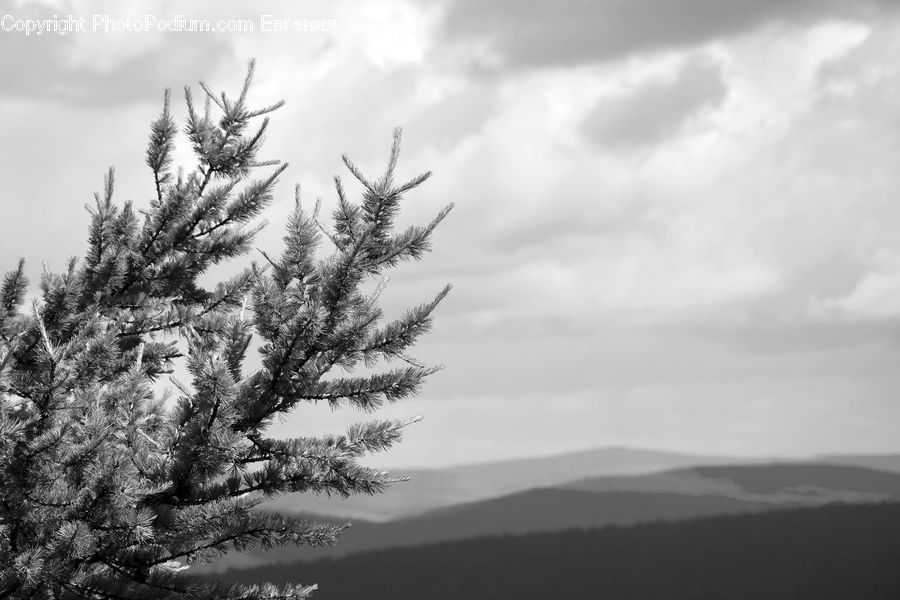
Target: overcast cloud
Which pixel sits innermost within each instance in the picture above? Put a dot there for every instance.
(676, 220)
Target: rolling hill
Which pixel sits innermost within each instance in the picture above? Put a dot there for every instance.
(431, 489)
(833, 552)
(774, 482)
(880, 462)
(533, 511)
(618, 500)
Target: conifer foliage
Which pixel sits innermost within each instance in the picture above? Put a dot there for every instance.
(109, 490)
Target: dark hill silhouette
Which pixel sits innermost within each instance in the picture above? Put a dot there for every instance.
(774, 482)
(528, 512)
(880, 462)
(836, 552)
(597, 502)
(797, 477)
(430, 489)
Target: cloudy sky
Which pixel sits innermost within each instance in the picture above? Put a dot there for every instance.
(677, 222)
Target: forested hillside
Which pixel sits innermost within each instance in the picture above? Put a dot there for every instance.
(835, 552)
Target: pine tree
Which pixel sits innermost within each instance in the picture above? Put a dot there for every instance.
(110, 490)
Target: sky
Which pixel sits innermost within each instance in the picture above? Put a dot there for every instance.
(677, 222)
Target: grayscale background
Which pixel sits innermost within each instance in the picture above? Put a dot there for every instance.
(677, 223)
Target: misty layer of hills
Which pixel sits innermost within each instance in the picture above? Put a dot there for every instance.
(431, 489)
(589, 501)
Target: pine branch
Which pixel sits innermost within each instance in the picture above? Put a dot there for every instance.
(159, 153)
(103, 489)
(367, 393)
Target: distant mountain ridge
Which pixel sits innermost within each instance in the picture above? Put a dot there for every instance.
(616, 500)
(431, 489)
(532, 511)
(802, 483)
(880, 462)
